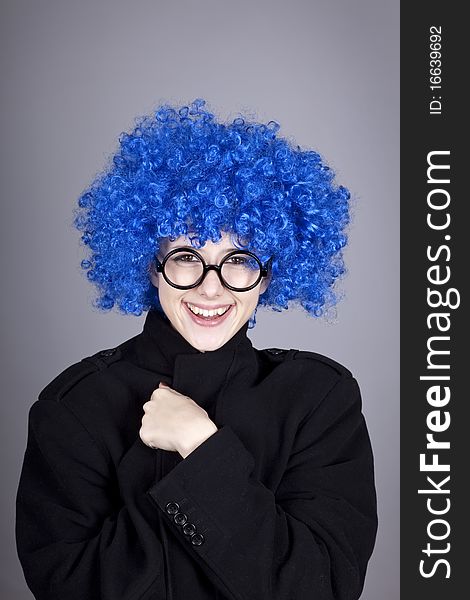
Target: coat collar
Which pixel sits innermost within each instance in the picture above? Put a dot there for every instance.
(201, 375)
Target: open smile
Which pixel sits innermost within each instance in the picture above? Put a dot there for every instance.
(208, 317)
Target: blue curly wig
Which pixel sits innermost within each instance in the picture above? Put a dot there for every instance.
(180, 172)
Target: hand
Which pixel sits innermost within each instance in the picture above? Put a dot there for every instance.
(174, 422)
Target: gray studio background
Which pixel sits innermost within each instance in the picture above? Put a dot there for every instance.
(75, 74)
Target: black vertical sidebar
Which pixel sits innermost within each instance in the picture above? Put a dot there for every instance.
(435, 268)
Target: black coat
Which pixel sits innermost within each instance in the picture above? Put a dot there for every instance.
(279, 503)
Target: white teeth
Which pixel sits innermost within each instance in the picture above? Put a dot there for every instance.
(207, 313)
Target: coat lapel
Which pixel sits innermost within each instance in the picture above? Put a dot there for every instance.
(203, 376)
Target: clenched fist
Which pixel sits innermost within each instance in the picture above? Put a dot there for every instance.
(174, 422)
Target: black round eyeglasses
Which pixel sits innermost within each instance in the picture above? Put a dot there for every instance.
(185, 268)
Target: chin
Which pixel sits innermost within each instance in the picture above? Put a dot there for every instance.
(208, 343)
(206, 339)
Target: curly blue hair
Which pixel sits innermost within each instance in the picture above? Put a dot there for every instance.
(181, 172)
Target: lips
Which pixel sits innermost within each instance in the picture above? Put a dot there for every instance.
(212, 311)
(208, 321)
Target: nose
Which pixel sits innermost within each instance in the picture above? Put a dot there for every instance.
(211, 286)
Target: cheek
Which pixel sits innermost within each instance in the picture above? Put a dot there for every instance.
(251, 301)
(168, 296)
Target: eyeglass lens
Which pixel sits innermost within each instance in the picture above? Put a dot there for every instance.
(239, 270)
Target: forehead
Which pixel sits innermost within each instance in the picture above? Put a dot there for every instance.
(225, 244)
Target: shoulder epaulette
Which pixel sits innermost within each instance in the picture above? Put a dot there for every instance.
(276, 355)
(341, 369)
(276, 351)
(66, 380)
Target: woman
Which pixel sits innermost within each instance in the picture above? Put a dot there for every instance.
(185, 463)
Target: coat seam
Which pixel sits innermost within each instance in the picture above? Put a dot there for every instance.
(98, 444)
(220, 401)
(320, 403)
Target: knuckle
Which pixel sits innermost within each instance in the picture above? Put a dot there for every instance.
(148, 406)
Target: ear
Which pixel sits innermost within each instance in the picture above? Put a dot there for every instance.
(153, 274)
(265, 283)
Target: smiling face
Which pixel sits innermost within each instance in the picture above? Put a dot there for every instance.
(206, 332)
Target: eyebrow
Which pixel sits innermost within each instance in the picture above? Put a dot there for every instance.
(226, 250)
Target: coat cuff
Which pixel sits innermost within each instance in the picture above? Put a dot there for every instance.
(200, 492)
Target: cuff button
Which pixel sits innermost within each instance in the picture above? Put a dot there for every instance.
(180, 518)
(197, 539)
(189, 529)
(172, 508)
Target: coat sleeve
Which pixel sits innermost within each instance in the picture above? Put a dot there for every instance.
(75, 539)
(311, 538)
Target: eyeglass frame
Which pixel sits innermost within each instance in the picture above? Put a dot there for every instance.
(264, 269)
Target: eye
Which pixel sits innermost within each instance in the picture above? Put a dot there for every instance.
(237, 260)
(185, 258)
